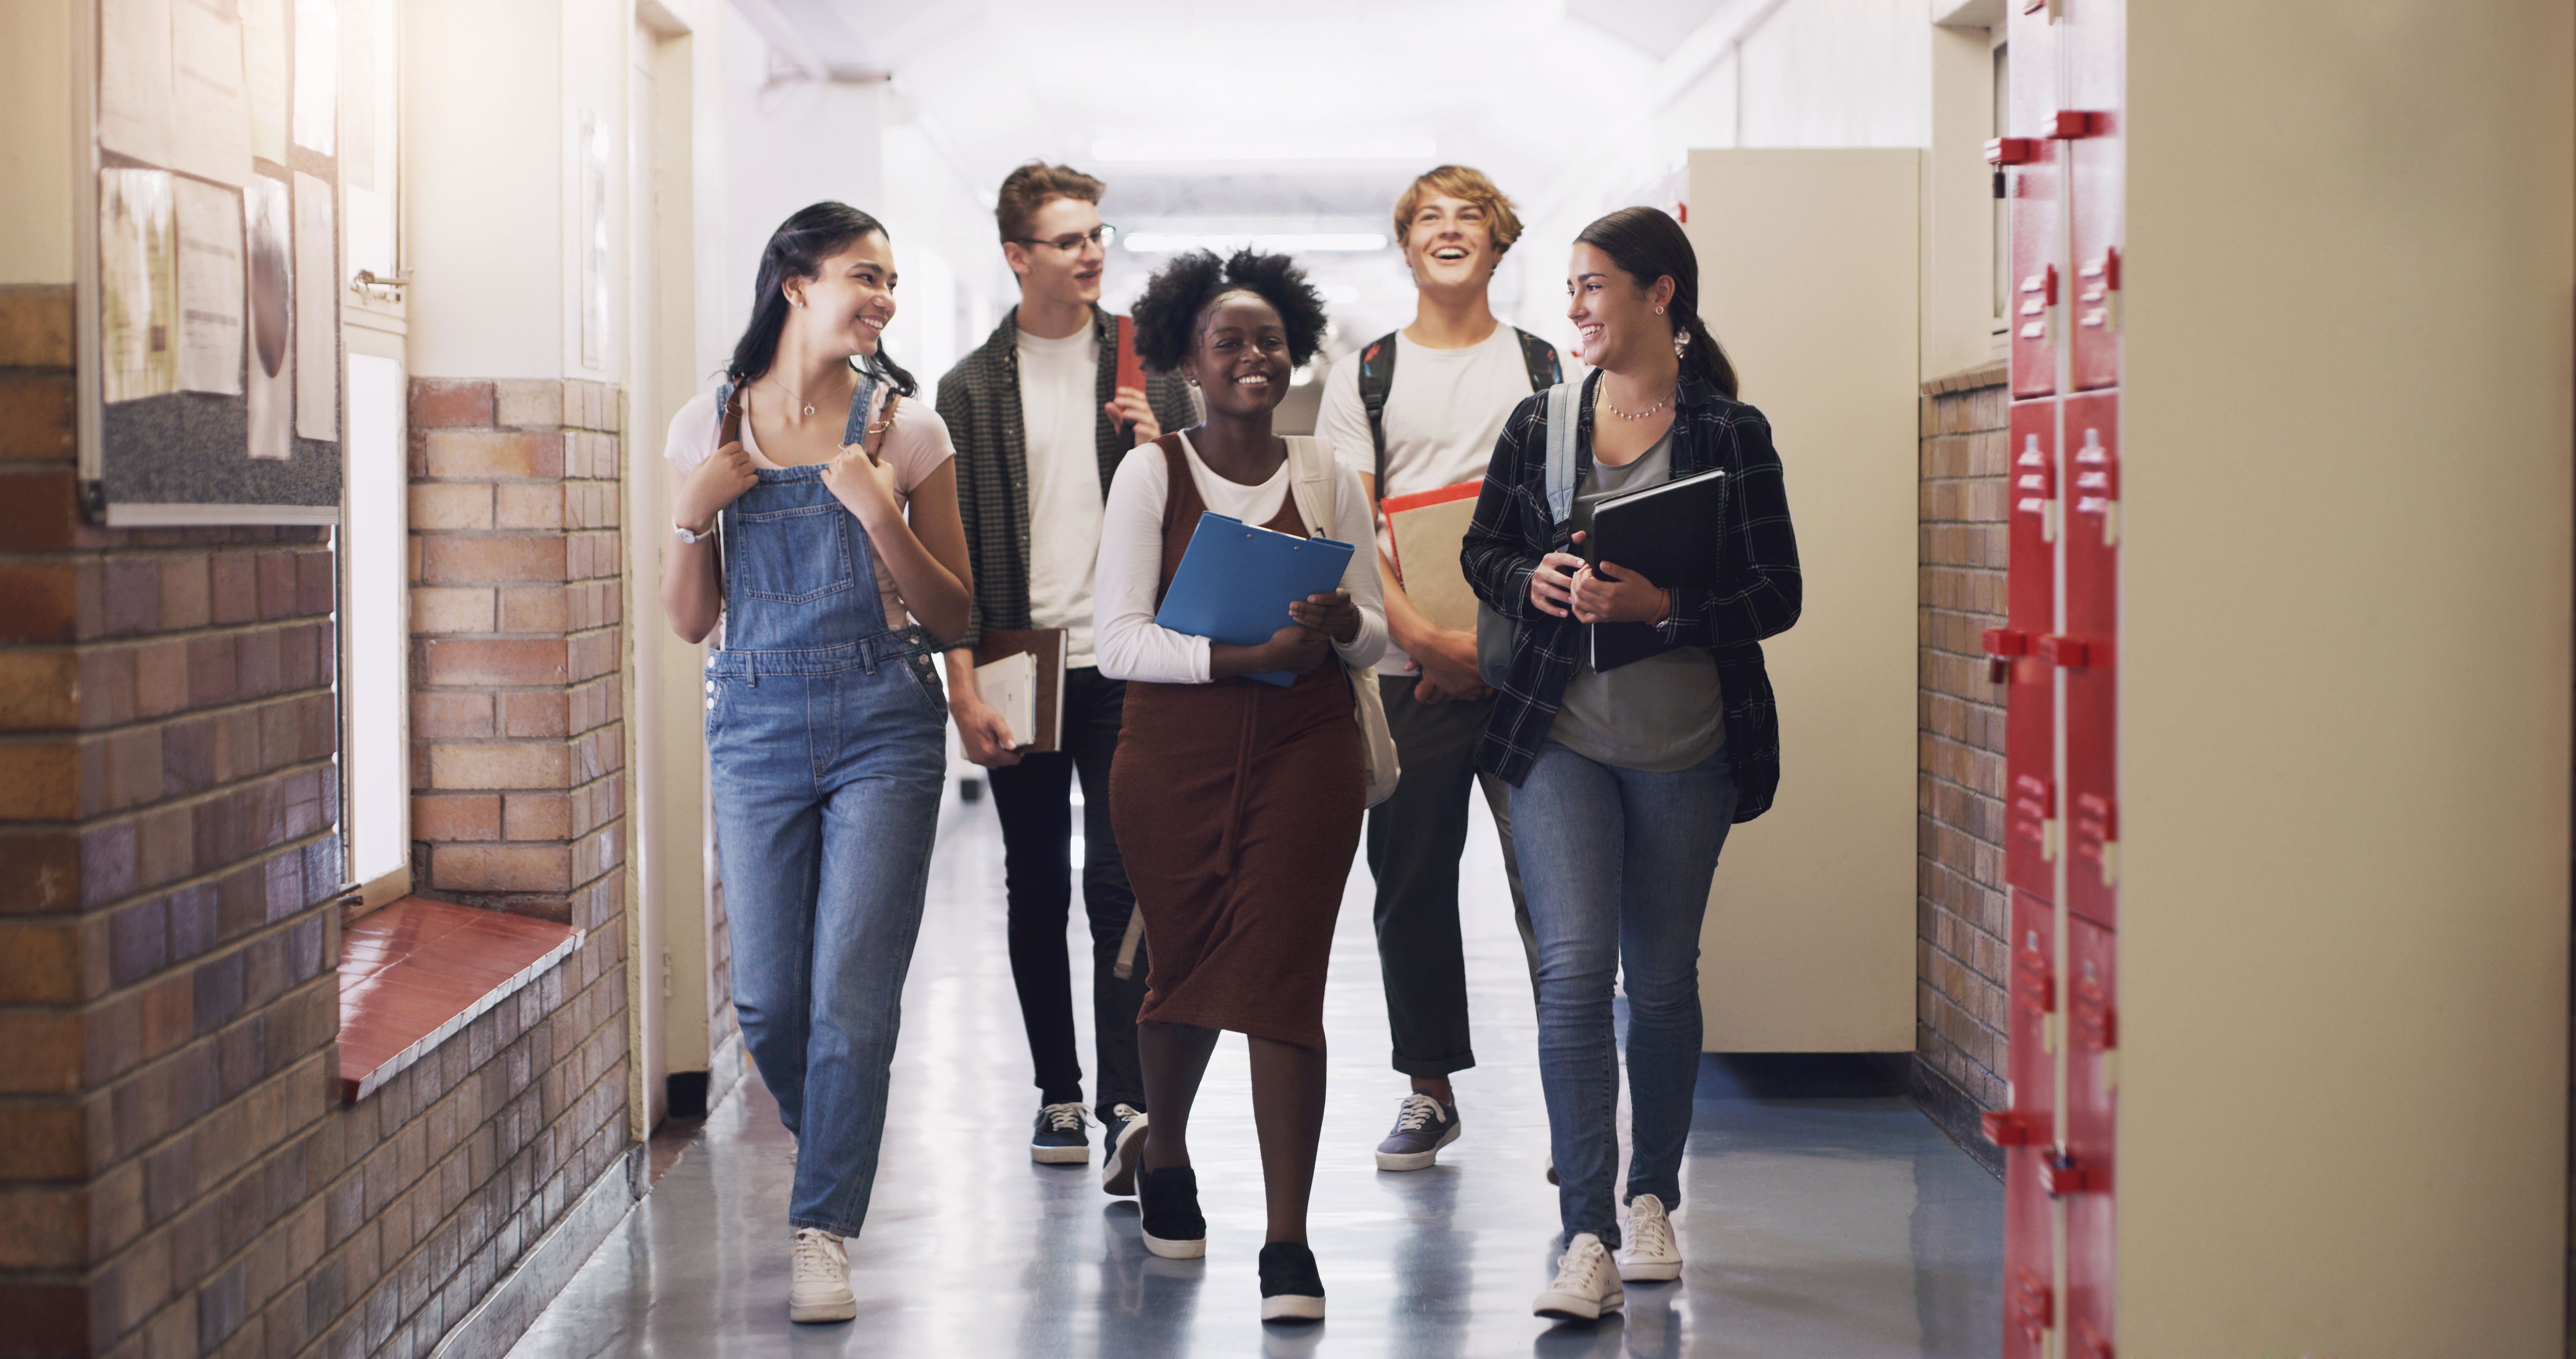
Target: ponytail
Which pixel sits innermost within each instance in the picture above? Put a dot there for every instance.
(1647, 244)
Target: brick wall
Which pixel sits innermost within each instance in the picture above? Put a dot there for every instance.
(1961, 958)
(175, 1178)
(518, 706)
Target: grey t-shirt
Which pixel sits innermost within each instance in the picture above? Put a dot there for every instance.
(1660, 714)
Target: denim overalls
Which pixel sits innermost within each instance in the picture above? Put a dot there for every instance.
(826, 746)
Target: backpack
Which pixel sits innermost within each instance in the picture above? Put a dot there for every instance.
(1377, 378)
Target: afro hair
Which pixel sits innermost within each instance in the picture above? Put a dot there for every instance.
(1167, 315)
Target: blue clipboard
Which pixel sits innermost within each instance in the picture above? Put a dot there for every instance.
(1237, 580)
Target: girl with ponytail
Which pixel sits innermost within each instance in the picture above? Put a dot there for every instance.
(1625, 781)
(815, 519)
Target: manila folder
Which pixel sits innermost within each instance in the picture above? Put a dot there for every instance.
(1428, 530)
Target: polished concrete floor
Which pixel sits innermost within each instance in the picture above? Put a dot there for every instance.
(1821, 1218)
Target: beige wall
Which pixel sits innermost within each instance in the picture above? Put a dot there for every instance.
(36, 65)
(1808, 276)
(2344, 929)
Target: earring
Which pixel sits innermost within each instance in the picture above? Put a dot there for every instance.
(1658, 311)
(800, 303)
(1681, 341)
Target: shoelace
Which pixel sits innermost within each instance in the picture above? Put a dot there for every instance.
(1064, 1117)
(1574, 1273)
(814, 1257)
(1650, 1235)
(1418, 1110)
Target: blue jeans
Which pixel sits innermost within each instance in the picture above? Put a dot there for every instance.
(1617, 864)
(826, 755)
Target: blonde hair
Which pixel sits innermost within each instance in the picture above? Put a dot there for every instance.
(1033, 186)
(1467, 185)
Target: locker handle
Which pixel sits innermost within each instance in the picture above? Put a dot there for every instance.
(2071, 653)
(2063, 1175)
(2007, 642)
(2071, 125)
(2012, 151)
(2005, 1128)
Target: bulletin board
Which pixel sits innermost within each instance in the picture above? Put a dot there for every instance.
(210, 283)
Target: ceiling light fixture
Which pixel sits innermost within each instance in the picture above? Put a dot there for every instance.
(1241, 149)
(1160, 242)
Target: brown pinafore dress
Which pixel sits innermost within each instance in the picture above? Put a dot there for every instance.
(1237, 806)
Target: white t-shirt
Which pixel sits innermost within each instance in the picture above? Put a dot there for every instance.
(1131, 646)
(915, 445)
(1443, 414)
(1058, 379)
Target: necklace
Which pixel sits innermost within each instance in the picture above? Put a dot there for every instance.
(1613, 405)
(792, 395)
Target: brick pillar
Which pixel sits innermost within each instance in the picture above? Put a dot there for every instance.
(518, 759)
(1962, 975)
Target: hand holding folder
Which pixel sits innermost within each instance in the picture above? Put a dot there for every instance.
(1237, 580)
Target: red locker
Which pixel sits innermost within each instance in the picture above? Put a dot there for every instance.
(2091, 798)
(2093, 147)
(2035, 167)
(2030, 769)
(2085, 1161)
(2025, 1128)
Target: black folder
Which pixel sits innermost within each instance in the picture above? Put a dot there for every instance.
(1668, 533)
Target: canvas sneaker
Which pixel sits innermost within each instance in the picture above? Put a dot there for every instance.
(1122, 1149)
(818, 1289)
(1291, 1289)
(1168, 1203)
(1058, 1139)
(1586, 1284)
(1649, 1254)
(1423, 1125)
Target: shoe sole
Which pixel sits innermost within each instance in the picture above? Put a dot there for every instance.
(1567, 1307)
(1292, 1307)
(1121, 1160)
(1175, 1250)
(1419, 1160)
(823, 1311)
(1650, 1273)
(1060, 1156)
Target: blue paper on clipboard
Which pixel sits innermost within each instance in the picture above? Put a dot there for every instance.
(1237, 580)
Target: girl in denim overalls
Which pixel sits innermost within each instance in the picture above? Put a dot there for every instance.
(815, 517)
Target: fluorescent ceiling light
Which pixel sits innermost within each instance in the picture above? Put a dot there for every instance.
(1222, 148)
(1158, 242)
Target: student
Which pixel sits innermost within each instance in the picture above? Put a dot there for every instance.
(1624, 782)
(814, 512)
(1238, 801)
(1039, 432)
(1416, 411)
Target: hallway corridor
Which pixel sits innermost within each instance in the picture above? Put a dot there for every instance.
(1820, 1221)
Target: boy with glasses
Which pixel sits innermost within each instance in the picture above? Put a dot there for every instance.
(1415, 411)
(1040, 426)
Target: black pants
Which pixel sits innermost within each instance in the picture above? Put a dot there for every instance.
(1034, 800)
(1415, 839)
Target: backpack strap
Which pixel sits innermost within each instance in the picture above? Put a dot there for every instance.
(1539, 357)
(1564, 413)
(1311, 470)
(1377, 378)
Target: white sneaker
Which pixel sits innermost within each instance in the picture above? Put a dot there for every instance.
(1650, 1254)
(819, 1290)
(1586, 1283)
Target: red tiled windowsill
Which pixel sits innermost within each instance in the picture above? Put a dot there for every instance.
(415, 973)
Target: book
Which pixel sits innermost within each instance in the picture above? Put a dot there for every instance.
(1427, 528)
(1021, 673)
(1236, 581)
(1669, 533)
(1131, 365)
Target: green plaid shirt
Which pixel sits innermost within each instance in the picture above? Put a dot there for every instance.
(980, 400)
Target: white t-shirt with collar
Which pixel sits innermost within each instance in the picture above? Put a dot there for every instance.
(1443, 414)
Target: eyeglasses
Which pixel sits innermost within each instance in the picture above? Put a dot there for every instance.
(1100, 235)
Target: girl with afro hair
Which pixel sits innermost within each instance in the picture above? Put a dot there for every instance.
(1237, 802)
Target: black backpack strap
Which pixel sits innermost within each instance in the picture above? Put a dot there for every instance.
(1540, 358)
(1377, 378)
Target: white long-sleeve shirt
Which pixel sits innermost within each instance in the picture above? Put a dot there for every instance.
(1129, 644)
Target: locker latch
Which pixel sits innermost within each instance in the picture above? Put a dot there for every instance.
(2074, 125)
(2005, 1128)
(2069, 653)
(2064, 1175)
(2012, 151)
(2002, 644)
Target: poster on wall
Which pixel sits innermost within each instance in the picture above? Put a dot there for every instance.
(210, 110)
(272, 311)
(264, 72)
(317, 74)
(138, 283)
(134, 109)
(211, 288)
(317, 304)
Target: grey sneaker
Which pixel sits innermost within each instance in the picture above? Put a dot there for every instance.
(1058, 1139)
(1422, 1127)
(1122, 1149)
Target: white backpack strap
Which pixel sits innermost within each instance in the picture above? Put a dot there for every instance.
(1310, 471)
(1563, 414)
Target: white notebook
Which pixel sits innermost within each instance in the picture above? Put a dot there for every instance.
(1011, 686)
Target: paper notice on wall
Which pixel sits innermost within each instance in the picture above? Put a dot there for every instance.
(138, 285)
(317, 309)
(210, 288)
(317, 74)
(266, 215)
(134, 101)
(264, 73)
(210, 112)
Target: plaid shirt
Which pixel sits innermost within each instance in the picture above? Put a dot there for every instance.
(980, 400)
(1756, 593)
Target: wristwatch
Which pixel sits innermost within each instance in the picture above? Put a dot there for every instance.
(692, 538)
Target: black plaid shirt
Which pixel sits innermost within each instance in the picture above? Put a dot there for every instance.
(1755, 596)
(980, 400)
